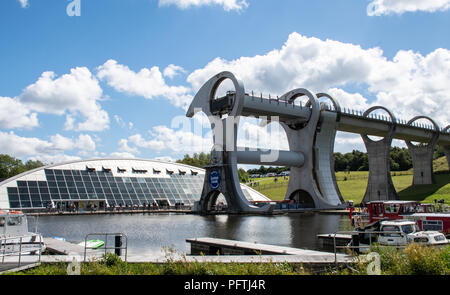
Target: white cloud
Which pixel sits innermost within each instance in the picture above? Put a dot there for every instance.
(14, 114)
(163, 138)
(122, 123)
(165, 159)
(173, 70)
(77, 93)
(301, 62)
(85, 143)
(347, 142)
(148, 83)
(226, 4)
(410, 84)
(24, 3)
(61, 143)
(51, 151)
(386, 7)
(122, 155)
(124, 147)
(55, 159)
(354, 101)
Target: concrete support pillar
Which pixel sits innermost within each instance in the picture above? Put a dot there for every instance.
(302, 185)
(380, 185)
(422, 156)
(324, 150)
(447, 148)
(447, 154)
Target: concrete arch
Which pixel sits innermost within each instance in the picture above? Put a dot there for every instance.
(391, 133)
(209, 200)
(335, 103)
(205, 95)
(435, 137)
(292, 95)
(303, 197)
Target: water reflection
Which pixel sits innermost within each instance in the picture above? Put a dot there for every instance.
(149, 233)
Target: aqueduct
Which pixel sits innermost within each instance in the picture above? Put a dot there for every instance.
(311, 131)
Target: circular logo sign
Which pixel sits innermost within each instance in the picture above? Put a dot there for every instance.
(214, 179)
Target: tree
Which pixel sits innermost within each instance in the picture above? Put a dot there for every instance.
(197, 160)
(10, 166)
(243, 176)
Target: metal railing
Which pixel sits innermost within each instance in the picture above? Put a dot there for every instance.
(105, 246)
(12, 242)
(351, 246)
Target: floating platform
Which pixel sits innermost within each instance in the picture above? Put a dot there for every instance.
(60, 247)
(213, 246)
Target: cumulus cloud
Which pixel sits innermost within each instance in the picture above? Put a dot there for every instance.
(148, 83)
(77, 93)
(226, 4)
(172, 71)
(163, 138)
(404, 84)
(122, 155)
(47, 151)
(14, 114)
(386, 7)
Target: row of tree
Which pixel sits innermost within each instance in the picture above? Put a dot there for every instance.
(10, 166)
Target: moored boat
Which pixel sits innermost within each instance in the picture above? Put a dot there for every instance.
(14, 234)
(425, 215)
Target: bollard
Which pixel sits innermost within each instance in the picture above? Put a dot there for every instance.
(118, 245)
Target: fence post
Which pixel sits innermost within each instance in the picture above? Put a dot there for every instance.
(20, 250)
(118, 245)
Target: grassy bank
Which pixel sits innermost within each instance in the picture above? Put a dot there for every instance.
(414, 260)
(353, 185)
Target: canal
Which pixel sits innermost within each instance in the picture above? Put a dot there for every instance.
(149, 233)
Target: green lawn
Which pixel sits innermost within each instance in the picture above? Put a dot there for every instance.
(353, 185)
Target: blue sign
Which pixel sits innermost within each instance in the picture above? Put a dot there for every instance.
(214, 179)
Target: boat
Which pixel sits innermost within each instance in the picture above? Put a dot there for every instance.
(92, 244)
(395, 233)
(15, 237)
(425, 215)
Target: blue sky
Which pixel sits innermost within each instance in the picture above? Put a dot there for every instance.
(105, 97)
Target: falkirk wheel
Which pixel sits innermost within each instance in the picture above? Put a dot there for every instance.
(311, 131)
(309, 146)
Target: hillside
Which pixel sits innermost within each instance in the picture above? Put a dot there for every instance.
(353, 185)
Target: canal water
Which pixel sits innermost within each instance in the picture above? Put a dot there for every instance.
(150, 233)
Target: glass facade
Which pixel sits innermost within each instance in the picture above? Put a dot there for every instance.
(91, 185)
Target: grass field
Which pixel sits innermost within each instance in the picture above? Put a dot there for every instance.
(353, 185)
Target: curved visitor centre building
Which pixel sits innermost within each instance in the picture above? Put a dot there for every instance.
(107, 183)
